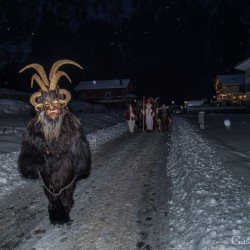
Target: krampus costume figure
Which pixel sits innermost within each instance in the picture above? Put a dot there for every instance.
(54, 147)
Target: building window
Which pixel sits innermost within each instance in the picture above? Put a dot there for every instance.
(107, 95)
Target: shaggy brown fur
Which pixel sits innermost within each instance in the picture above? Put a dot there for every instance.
(59, 151)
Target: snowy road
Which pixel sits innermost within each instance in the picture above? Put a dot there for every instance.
(128, 203)
(122, 205)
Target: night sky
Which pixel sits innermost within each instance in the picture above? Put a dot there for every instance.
(172, 49)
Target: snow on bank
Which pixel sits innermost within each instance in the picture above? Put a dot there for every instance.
(209, 208)
(97, 121)
(10, 177)
(102, 136)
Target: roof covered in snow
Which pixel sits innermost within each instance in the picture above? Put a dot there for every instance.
(103, 84)
(244, 65)
(231, 80)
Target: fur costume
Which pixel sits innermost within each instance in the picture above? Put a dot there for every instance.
(164, 117)
(54, 147)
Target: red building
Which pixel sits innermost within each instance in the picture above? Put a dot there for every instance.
(108, 92)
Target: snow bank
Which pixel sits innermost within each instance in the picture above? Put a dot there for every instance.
(100, 126)
(209, 208)
(14, 107)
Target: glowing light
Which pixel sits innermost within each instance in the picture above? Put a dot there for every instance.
(227, 124)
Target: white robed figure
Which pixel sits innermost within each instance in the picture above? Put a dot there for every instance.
(149, 115)
(149, 118)
(131, 117)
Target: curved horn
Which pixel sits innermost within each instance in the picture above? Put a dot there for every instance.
(67, 94)
(36, 78)
(59, 63)
(56, 78)
(39, 68)
(33, 101)
(56, 66)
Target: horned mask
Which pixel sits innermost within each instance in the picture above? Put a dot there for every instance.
(49, 85)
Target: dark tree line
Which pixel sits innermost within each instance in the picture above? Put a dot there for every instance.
(172, 49)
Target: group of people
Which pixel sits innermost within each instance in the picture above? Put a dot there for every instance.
(152, 117)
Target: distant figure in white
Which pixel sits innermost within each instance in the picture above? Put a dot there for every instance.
(228, 125)
(149, 115)
(131, 116)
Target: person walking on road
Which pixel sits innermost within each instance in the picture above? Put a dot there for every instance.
(131, 116)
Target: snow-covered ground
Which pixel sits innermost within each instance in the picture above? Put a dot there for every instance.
(14, 116)
(210, 206)
(210, 203)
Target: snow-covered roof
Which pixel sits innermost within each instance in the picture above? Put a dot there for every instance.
(231, 80)
(129, 95)
(5, 91)
(244, 65)
(103, 84)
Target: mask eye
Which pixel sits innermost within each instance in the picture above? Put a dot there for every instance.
(46, 104)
